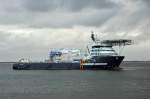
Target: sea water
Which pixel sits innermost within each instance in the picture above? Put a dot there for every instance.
(131, 82)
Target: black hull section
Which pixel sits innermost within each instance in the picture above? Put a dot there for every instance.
(46, 66)
(101, 62)
(105, 62)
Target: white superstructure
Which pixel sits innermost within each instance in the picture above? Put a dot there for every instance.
(98, 49)
(65, 55)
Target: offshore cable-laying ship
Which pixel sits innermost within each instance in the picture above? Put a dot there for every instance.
(99, 55)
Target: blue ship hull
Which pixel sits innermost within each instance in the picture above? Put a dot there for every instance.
(101, 62)
(104, 62)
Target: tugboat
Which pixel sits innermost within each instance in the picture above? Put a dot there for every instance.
(100, 55)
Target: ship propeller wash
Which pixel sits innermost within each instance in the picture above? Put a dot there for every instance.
(100, 55)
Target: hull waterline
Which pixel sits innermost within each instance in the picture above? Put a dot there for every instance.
(101, 63)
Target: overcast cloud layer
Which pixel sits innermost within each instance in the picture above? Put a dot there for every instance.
(29, 28)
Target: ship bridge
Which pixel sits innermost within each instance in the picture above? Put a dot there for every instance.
(105, 47)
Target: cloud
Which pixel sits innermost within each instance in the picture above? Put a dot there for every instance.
(36, 43)
(132, 18)
(39, 5)
(56, 14)
(69, 5)
(29, 28)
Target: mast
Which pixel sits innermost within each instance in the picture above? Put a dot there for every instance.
(93, 36)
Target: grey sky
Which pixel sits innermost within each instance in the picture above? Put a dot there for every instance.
(29, 28)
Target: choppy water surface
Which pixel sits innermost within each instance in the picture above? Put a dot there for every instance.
(133, 82)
